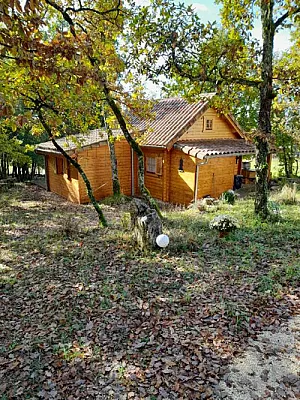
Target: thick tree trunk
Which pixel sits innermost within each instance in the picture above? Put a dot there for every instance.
(33, 170)
(136, 148)
(4, 166)
(264, 119)
(113, 162)
(90, 193)
(146, 225)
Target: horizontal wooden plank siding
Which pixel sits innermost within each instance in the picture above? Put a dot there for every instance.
(182, 183)
(216, 176)
(59, 183)
(96, 164)
(154, 182)
(166, 175)
(221, 128)
(123, 153)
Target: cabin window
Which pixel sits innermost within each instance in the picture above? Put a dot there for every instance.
(154, 165)
(180, 168)
(209, 124)
(151, 165)
(59, 164)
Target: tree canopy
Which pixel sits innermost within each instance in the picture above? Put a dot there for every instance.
(171, 39)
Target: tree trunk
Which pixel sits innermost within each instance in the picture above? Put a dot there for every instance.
(90, 193)
(291, 159)
(136, 148)
(113, 161)
(285, 161)
(297, 167)
(264, 119)
(3, 171)
(146, 225)
(33, 170)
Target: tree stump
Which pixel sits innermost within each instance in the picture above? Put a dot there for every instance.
(146, 225)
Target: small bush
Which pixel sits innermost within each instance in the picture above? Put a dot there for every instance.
(229, 197)
(288, 194)
(126, 221)
(224, 223)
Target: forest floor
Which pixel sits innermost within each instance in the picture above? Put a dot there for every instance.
(85, 315)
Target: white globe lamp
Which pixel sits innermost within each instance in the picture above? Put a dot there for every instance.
(162, 240)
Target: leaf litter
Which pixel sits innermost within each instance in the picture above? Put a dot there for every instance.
(85, 316)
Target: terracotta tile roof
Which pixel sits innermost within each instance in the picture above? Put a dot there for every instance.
(172, 117)
(208, 148)
(78, 141)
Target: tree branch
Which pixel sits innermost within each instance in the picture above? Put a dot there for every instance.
(286, 15)
(197, 78)
(93, 10)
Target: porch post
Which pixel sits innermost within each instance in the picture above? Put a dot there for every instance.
(196, 182)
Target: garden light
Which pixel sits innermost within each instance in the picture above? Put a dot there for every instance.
(162, 240)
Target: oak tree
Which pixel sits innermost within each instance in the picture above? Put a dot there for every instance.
(172, 40)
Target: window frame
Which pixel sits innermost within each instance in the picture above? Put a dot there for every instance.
(157, 165)
(209, 124)
(151, 169)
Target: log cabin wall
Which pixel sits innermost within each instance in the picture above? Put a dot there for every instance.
(220, 129)
(59, 181)
(123, 154)
(217, 176)
(95, 161)
(154, 181)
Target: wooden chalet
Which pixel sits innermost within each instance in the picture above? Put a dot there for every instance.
(191, 151)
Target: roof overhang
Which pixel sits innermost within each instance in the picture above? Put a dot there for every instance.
(216, 148)
(40, 149)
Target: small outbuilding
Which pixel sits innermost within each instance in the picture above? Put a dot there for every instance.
(191, 151)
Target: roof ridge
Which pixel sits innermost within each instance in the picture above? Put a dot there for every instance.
(203, 96)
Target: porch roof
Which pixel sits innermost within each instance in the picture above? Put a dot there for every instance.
(209, 148)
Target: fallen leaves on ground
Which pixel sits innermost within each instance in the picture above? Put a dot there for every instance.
(85, 316)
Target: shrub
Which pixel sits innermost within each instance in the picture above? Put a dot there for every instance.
(224, 223)
(288, 194)
(126, 221)
(229, 197)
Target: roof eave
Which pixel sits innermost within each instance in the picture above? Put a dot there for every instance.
(75, 149)
(234, 154)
